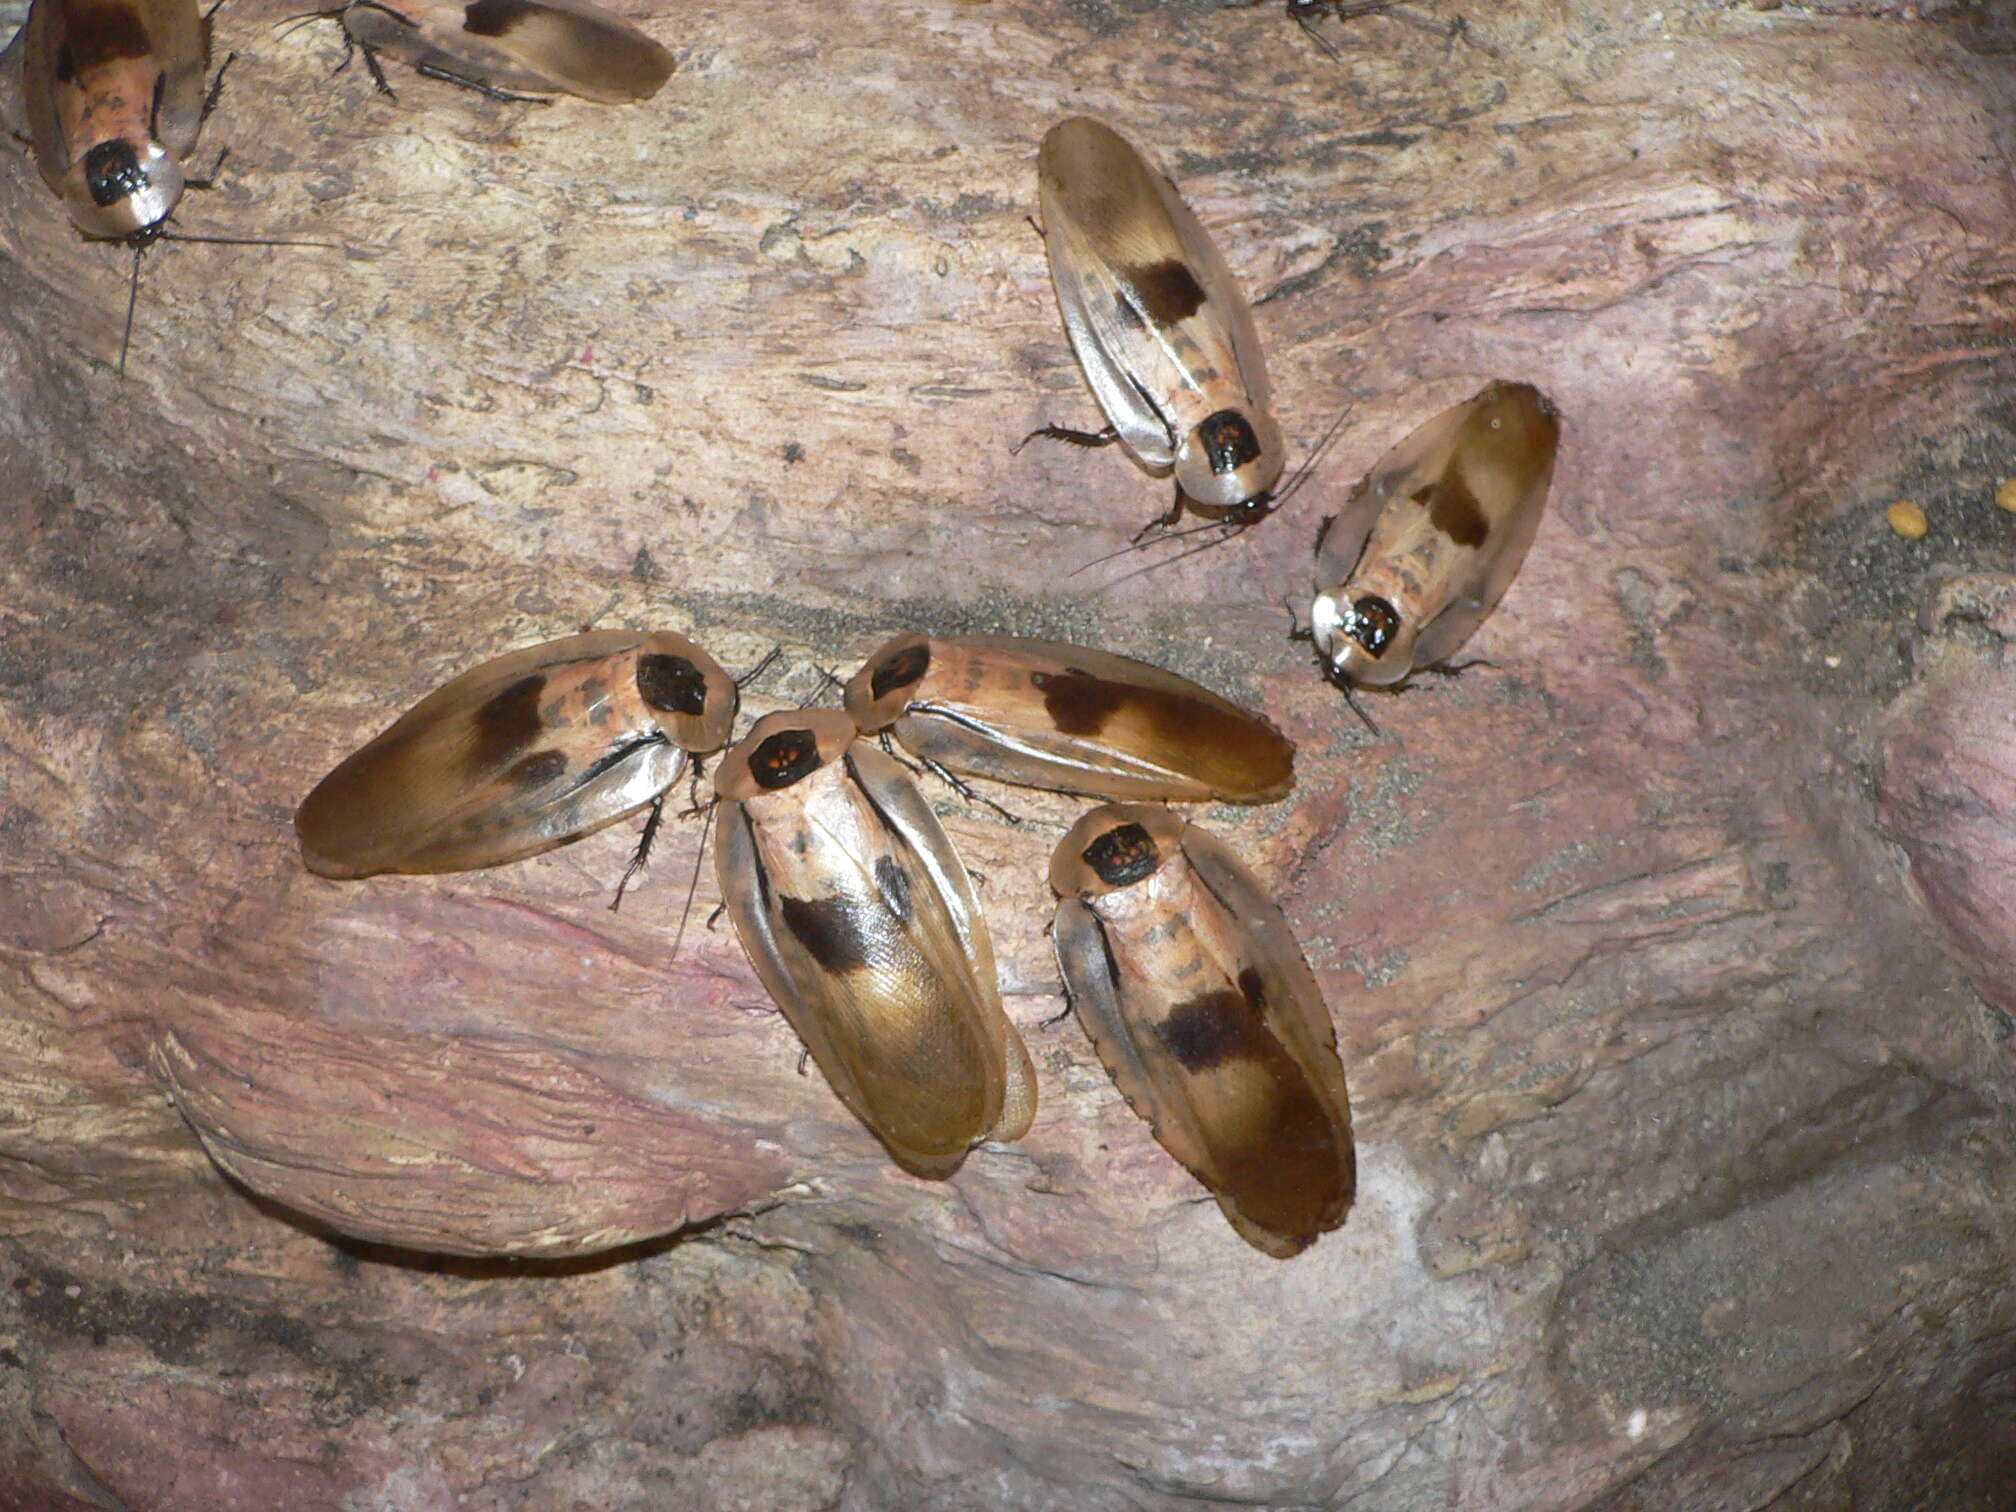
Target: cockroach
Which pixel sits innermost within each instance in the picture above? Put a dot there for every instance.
(863, 925)
(1306, 13)
(1047, 715)
(520, 755)
(1431, 538)
(1160, 328)
(1189, 982)
(115, 101)
(509, 49)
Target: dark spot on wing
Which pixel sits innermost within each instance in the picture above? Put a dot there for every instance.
(895, 887)
(1168, 291)
(828, 928)
(1079, 703)
(1454, 511)
(671, 683)
(1372, 623)
(783, 758)
(1228, 440)
(507, 724)
(900, 669)
(100, 34)
(538, 769)
(1215, 1027)
(493, 18)
(112, 172)
(1123, 855)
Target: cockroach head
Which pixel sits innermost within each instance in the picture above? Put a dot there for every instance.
(120, 192)
(782, 750)
(1113, 847)
(1361, 641)
(878, 694)
(1231, 460)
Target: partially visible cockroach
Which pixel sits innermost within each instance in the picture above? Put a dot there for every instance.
(862, 923)
(1159, 325)
(509, 49)
(1047, 715)
(520, 755)
(1189, 982)
(113, 91)
(1431, 539)
(1306, 13)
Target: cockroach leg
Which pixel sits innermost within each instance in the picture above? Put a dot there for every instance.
(216, 86)
(643, 851)
(1297, 631)
(715, 917)
(1056, 1018)
(209, 180)
(1457, 669)
(965, 790)
(1071, 437)
(1162, 522)
(769, 658)
(488, 91)
(1035, 226)
(804, 1056)
(889, 750)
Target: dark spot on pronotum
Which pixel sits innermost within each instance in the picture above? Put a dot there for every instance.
(828, 929)
(1079, 703)
(538, 769)
(783, 758)
(1168, 291)
(101, 34)
(1228, 441)
(900, 669)
(493, 18)
(1123, 855)
(1372, 623)
(507, 724)
(671, 683)
(112, 172)
(1453, 509)
(894, 886)
(1215, 1027)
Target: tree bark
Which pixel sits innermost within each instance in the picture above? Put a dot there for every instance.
(1683, 1087)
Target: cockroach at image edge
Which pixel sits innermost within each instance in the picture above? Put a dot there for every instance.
(521, 755)
(1047, 715)
(509, 49)
(114, 96)
(1188, 981)
(862, 923)
(1159, 326)
(1432, 537)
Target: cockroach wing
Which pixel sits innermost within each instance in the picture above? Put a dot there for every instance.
(181, 36)
(897, 799)
(1086, 721)
(1129, 260)
(533, 45)
(472, 775)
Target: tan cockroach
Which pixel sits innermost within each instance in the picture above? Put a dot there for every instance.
(520, 755)
(1189, 982)
(114, 95)
(862, 923)
(508, 49)
(1160, 328)
(1431, 539)
(1047, 715)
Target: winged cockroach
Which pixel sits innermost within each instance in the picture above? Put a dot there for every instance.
(504, 47)
(520, 755)
(1431, 538)
(1159, 326)
(862, 923)
(1197, 998)
(1042, 714)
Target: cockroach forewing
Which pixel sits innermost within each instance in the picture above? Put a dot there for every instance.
(918, 1049)
(530, 45)
(1124, 246)
(1050, 715)
(471, 776)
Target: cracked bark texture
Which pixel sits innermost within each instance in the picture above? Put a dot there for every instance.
(1683, 1089)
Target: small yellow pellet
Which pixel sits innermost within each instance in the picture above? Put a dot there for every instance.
(2005, 496)
(1907, 519)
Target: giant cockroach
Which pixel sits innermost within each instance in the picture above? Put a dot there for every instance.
(1047, 715)
(1190, 984)
(862, 923)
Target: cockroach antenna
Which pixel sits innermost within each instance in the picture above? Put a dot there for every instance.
(141, 240)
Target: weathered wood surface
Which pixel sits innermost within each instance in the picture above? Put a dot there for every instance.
(1686, 1136)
